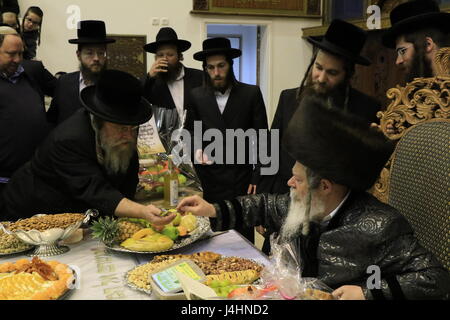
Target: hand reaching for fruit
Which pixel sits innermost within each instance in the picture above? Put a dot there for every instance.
(153, 215)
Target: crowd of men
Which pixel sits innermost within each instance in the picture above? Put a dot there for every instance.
(82, 152)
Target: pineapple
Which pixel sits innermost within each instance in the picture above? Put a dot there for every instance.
(127, 229)
(106, 229)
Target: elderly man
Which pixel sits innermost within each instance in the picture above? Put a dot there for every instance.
(329, 75)
(89, 161)
(418, 31)
(92, 55)
(339, 230)
(222, 104)
(23, 121)
(168, 81)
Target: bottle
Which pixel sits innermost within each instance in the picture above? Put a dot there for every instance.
(171, 185)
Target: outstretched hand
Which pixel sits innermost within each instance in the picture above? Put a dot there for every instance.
(198, 207)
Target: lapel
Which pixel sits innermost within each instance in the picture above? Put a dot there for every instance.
(161, 90)
(210, 110)
(187, 87)
(233, 105)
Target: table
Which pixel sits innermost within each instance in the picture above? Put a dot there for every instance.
(101, 271)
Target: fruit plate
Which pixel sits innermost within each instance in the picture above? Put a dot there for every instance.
(203, 227)
(181, 295)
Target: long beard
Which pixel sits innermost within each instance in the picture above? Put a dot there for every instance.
(300, 214)
(90, 76)
(336, 95)
(117, 155)
(172, 72)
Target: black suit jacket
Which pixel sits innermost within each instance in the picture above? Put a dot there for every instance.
(45, 81)
(358, 104)
(157, 92)
(67, 97)
(244, 110)
(65, 176)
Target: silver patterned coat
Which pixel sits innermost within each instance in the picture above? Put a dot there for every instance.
(365, 232)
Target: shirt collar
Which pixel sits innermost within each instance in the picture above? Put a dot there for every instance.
(15, 77)
(220, 94)
(327, 219)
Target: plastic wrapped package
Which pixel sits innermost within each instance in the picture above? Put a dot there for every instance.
(281, 279)
(156, 141)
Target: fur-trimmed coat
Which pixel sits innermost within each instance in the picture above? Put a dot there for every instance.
(364, 232)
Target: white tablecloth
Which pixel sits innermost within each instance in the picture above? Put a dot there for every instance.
(101, 271)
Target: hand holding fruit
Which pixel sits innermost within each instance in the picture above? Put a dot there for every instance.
(152, 214)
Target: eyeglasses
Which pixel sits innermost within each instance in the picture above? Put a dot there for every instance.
(124, 129)
(92, 53)
(35, 23)
(402, 50)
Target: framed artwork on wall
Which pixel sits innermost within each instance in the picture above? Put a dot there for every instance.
(127, 54)
(274, 8)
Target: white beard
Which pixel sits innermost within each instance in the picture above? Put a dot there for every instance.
(298, 219)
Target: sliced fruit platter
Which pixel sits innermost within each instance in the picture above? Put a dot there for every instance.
(140, 236)
(35, 280)
(223, 274)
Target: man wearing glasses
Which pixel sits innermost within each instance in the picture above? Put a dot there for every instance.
(92, 55)
(90, 160)
(418, 31)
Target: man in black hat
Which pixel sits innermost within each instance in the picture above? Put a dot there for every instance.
(168, 80)
(337, 228)
(418, 30)
(23, 121)
(90, 160)
(223, 103)
(9, 12)
(92, 55)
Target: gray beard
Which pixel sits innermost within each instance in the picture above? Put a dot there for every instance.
(299, 216)
(116, 158)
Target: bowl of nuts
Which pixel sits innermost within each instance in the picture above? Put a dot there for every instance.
(45, 231)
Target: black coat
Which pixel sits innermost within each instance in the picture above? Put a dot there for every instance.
(67, 97)
(364, 232)
(157, 92)
(23, 120)
(46, 82)
(65, 176)
(244, 110)
(358, 104)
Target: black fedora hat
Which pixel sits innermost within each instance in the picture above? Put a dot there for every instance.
(117, 97)
(214, 46)
(414, 15)
(336, 145)
(91, 31)
(345, 40)
(167, 35)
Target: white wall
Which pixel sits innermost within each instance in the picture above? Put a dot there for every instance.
(288, 55)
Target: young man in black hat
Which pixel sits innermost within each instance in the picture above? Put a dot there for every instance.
(168, 81)
(224, 103)
(90, 160)
(418, 30)
(9, 11)
(336, 227)
(92, 55)
(23, 121)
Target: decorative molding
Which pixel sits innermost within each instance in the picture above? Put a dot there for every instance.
(424, 99)
(268, 8)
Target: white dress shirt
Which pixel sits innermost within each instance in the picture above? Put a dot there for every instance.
(324, 223)
(176, 88)
(222, 99)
